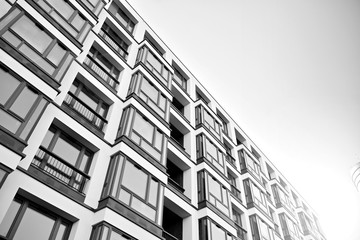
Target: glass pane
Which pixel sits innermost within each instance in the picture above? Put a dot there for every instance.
(68, 151)
(144, 128)
(34, 225)
(217, 233)
(264, 230)
(117, 236)
(61, 232)
(214, 188)
(143, 208)
(116, 178)
(12, 39)
(24, 102)
(158, 140)
(48, 137)
(37, 59)
(9, 218)
(84, 162)
(62, 7)
(89, 101)
(154, 62)
(153, 192)
(56, 54)
(9, 122)
(150, 91)
(8, 84)
(78, 22)
(33, 119)
(124, 196)
(211, 149)
(32, 34)
(104, 233)
(135, 180)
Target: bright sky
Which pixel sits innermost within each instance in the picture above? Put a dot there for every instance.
(289, 73)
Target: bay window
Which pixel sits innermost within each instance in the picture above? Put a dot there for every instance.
(125, 19)
(20, 105)
(133, 186)
(104, 231)
(67, 16)
(204, 117)
(154, 65)
(210, 230)
(27, 220)
(249, 164)
(64, 158)
(33, 42)
(151, 95)
(289, 228)
(212, 191)
(255, 196)
(143, 133)
(260, 229)
(206, 149)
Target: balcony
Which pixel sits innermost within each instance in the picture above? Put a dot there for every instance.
(101, 72)
(85, 112)
(114, 44)
(60, 169)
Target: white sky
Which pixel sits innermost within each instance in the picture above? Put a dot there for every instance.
(289, 73)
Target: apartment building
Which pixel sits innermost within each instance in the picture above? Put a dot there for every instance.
(105, 134)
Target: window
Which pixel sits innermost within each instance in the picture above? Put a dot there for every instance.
(122, 17)
(35, 43)
(130, 184)
(152, 96)
(208, 150)
(180, 79)
(217, 194)
(240, 231)
(26, 220)
(64, 158)
(115, 40)
(20, 104)
(104, 231)
(225, 127)
(234, 190)
(103, 68)
(67, 16)
(204, 117)
(210, 230)
(260, 230)
(289, 228)
(143, 133)
(247, 163)
(4, 172)
(87, 104)
(255, 196)
(175, 175)
(154, 65)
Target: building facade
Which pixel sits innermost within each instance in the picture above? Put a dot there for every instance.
(105, 134)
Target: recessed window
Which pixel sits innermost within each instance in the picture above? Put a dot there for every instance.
(20, 105)
(180, 79)
(67, 16)
(123, 18)
(103, 68)
(35, 43)
(26, 220)
(130, 184)
(87, 104)
(64, 158)
(115, 40)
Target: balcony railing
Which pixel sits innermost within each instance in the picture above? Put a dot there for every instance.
(101, 72)
(60, 169)
(109, 40)
(87, 113)
(236, 192)
(168, 236)
(240, 232)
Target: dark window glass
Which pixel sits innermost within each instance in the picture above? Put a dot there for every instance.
(180, 79)
(114, 40)
(27, 221)
(20, 105)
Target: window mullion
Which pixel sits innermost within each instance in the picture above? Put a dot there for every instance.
(18, 218)
(14, 96)
(55, 229)
(29, 114)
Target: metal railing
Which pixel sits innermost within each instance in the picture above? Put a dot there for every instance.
(60, 169)
(101, 72)
(118, 49)
(89, 114)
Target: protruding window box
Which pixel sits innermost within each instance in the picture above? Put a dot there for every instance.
(259, 229)
(33, 46)
(93, 6)
(134, 193)
(213, 194)
(205, 119)
(282, 199)
(124, 18)
(150, 95)
(255, 197)
(208, 151)
(143, 136)
(103, 230)
(236, 192)
(152, 63)
(210, 230)
(249, 164)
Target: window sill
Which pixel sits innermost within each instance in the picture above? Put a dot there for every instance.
(11, 142)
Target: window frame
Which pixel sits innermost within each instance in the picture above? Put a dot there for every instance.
(122, 45)
(200, 118)
(98, 232)
(27, 204)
